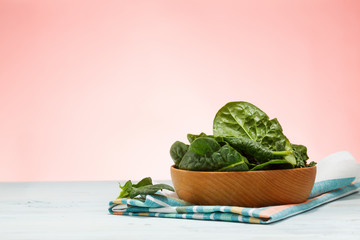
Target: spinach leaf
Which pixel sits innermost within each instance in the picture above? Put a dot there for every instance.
(273, 164)
(204, 146)
(291, 157)
(311, 164)
(144, 187)
(177, 151)
(243, 119)
(193, 137)
(253, 148)
(234, 161)
(143, 182)
(126, 189)
(212, 157)
(300, 152)
(149, 189)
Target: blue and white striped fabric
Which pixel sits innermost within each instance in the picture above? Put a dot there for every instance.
(337, 177)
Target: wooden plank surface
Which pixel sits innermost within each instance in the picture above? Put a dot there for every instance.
(78, 210)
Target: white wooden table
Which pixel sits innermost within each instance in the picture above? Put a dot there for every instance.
(78, 210)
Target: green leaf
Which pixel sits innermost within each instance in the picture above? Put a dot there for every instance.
(192, 137)
(291, 157)
(273, 164)
(300, 152)
(235, 167)
(204, 146)
(217, 160)
(254, 149)
(126, 189)
(243, 119)
(149, 189)
(144, 182)
(233, 160)
(177, 151)
(143, 187)
(311, 164)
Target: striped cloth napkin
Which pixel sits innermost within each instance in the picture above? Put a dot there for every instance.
(337, 176)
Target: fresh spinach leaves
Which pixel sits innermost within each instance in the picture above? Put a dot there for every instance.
(244, 138)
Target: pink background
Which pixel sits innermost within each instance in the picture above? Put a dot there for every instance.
(99, 90)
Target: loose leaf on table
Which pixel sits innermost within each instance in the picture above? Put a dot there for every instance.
(126, 189)
(149, 189)
(143, 187)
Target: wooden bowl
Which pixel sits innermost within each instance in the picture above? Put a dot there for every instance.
(244, 189)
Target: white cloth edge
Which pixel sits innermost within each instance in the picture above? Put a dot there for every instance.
(337, 165)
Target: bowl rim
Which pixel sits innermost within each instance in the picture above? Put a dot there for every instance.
(241, 172)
